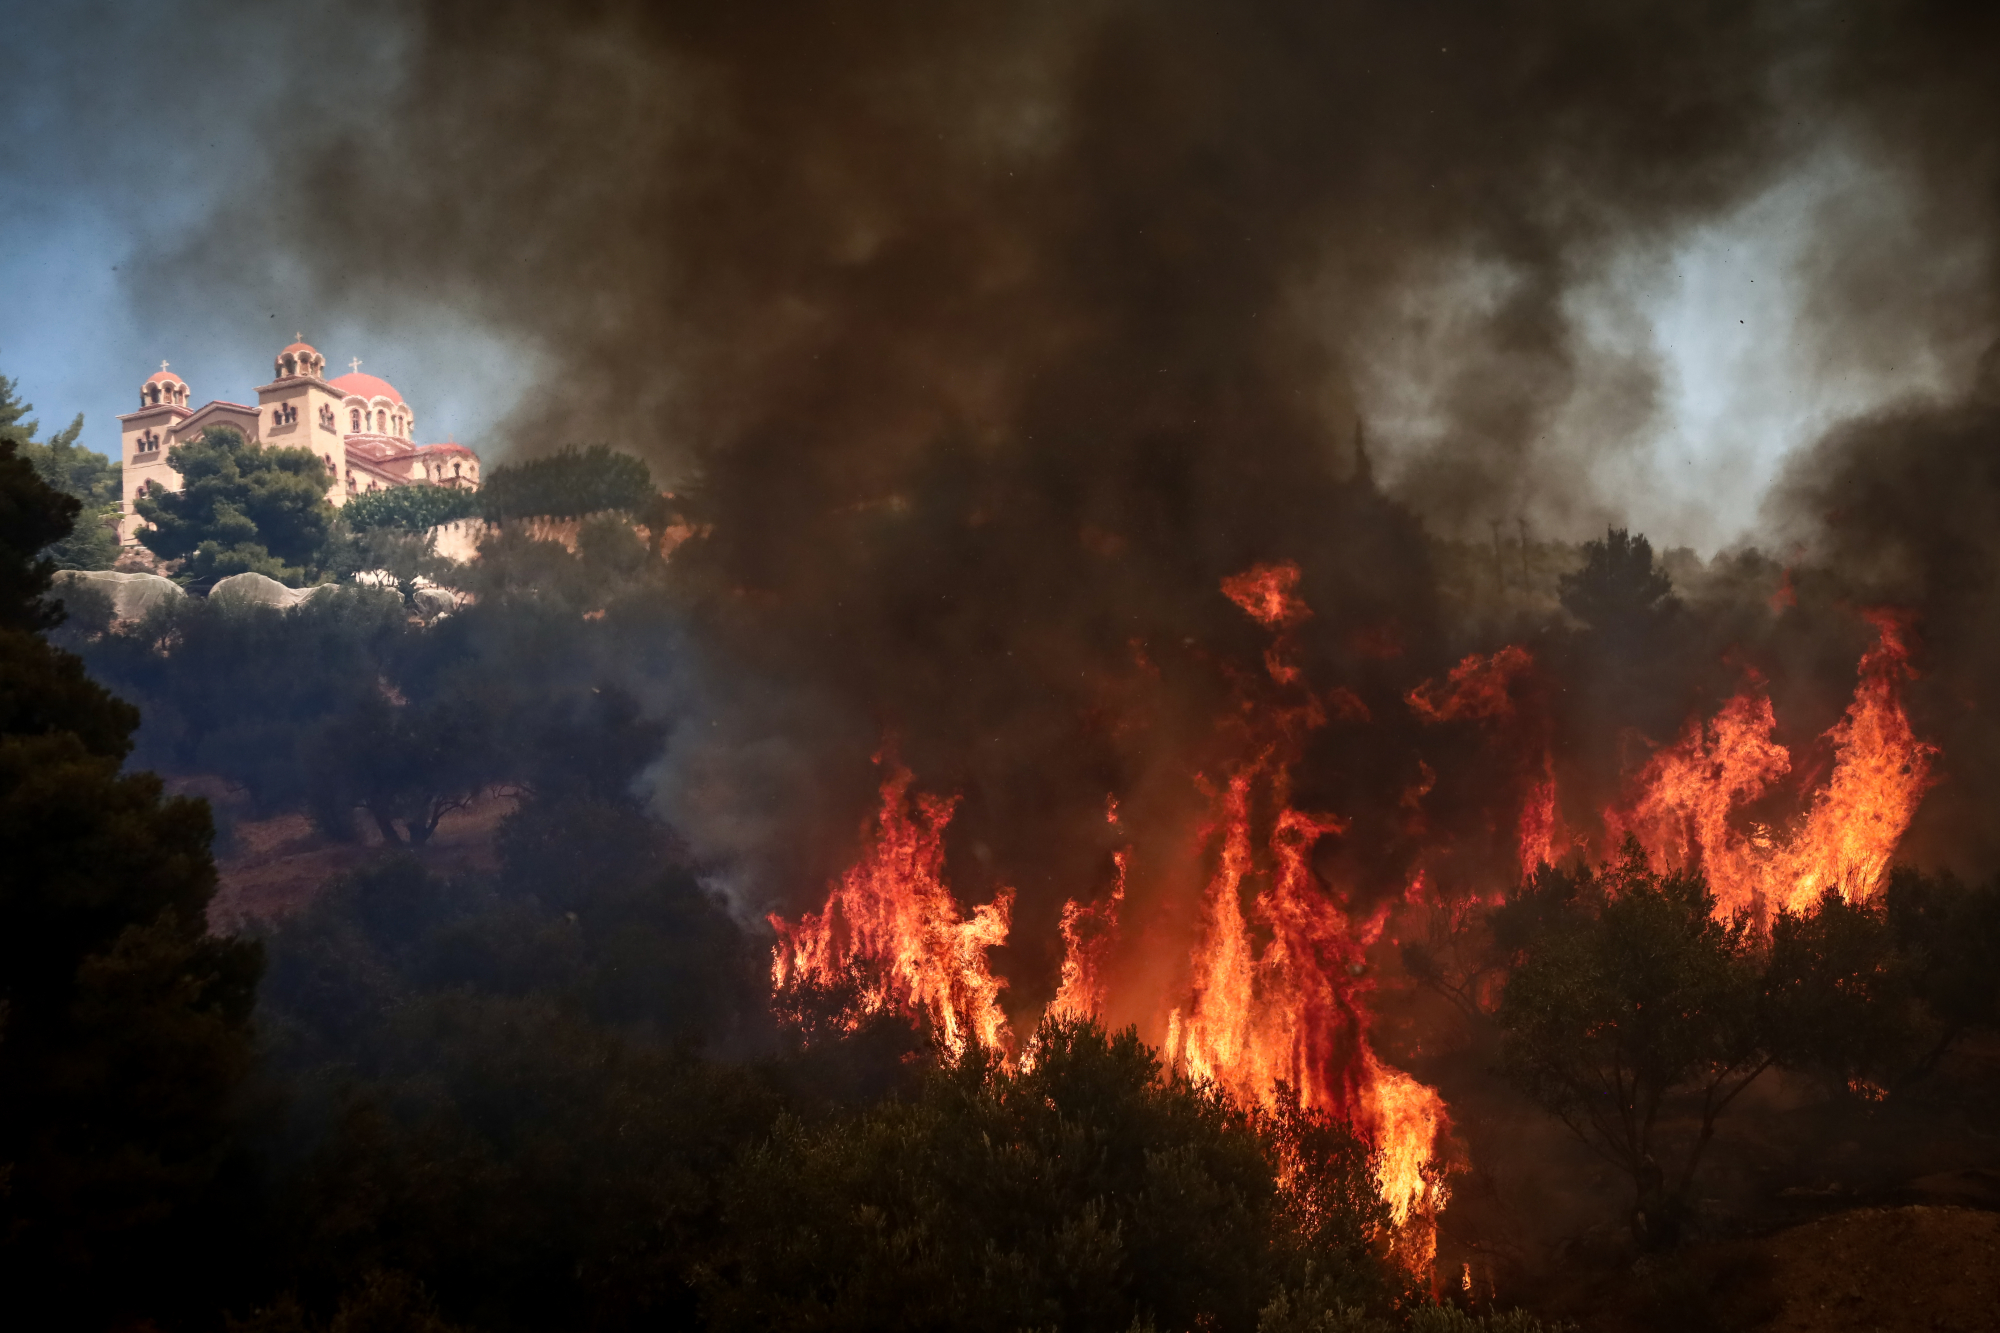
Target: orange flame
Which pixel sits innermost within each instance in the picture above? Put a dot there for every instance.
(1292, 1014)
(1692, 792)
(1269, 593)
(892, 917)
(1479, 688)
(1880, 773)
(1485, 689)
(1088, 934)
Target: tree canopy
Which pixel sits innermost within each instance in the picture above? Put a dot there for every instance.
(127, 1024)
(568, 484)
(1628, 992)
(85, 475)
(411, 508)
(1619, 590)
(241, 507)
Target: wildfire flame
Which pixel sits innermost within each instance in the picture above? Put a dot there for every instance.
(1277, 995)
(1088, 935)
(1691, 793)
(1485, 689)
(892, 924)
(1294, 1014)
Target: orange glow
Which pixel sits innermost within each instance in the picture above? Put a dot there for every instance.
(1292, 1013)
(1488, 689)
(1270, 594)
(892, 922)
(1691, 794)
(1403, 1119)
(1088, 934)
(1880, 773)
(1478, 688)
(1690, 789)
(1537, 836)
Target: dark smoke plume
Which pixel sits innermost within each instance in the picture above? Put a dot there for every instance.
(986, 340)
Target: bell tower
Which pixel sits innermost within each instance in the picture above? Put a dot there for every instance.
(298, 409)
(144, 437)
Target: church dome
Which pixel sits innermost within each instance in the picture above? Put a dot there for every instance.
(299, 358)
(163, 387)
(357, 385)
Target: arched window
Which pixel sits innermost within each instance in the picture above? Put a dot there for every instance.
(381, 422)
(354, 419)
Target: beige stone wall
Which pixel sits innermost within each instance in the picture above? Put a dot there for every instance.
(142, 466)
(315, 409)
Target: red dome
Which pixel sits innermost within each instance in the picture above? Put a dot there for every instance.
(358, 385)
(301, 347)
(164, 377)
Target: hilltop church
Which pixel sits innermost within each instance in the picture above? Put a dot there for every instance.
(358, 423)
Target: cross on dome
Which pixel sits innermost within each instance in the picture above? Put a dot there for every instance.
(163, 365)
(355, 365)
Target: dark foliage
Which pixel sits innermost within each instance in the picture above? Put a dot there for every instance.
(85, 475)
(1619, 592)
(241, 508)
(409, 508)
(127, 1025)
(1089, 1192)
(1628, 993)
(1842, 1006)
(1947, 936)
(32, 515)
(242, 691)
(567, 484)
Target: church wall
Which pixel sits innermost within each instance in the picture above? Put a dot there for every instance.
(293, 411)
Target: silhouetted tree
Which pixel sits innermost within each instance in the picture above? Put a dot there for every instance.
(127, 1023)
(1947, 936)
(1840, 996)
(1619, 591)
(1630, 995)
(83, 474)
(1090, 1191)
(567, 484)
(406, 765)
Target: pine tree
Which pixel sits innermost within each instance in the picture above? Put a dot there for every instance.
(241, 508)
(83, 474)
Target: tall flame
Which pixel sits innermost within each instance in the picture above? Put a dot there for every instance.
(1691, 793)
(1088, 934)
(1293, 1014)
(891, 924)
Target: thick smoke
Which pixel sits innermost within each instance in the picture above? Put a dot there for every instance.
(984, 341)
